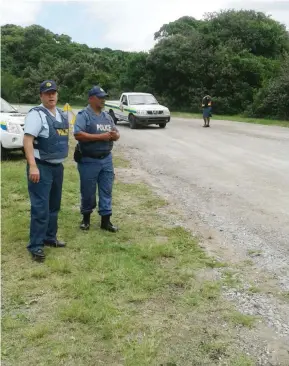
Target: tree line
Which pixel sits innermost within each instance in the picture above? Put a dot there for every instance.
(240, 58)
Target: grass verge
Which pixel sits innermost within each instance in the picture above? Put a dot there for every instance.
(134, 298)
(237, 118)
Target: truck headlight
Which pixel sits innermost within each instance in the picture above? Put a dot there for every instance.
(166, 112)
(13, 128)
(142, 112)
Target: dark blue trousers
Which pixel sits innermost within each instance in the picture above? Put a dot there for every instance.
(45, 198)
(96, 173)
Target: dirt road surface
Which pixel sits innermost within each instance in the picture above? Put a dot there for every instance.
(232, 178)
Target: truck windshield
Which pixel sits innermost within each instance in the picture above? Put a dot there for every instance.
(142, 99)
(6, 107)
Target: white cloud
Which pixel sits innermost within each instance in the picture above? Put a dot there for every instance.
(131, 24)
(19, 12)
(23, 12)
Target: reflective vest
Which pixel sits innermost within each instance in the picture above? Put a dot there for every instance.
(55, 146)
(96, 125)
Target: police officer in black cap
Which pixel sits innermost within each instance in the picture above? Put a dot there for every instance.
(95, 131)
(46, 146)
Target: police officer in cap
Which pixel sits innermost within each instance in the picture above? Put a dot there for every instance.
(95, 131)
(46, 146)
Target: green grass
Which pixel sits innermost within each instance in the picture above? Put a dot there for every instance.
(243, 320)
(120, 162)
(131, 298)
(285, 296)
(242, 361)
(230, 279)
(254, 252)
(254, 289)
(236, 118)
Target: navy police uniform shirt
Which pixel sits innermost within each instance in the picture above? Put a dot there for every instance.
(88, 121)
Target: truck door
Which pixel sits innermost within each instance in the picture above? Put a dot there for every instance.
(123, 106)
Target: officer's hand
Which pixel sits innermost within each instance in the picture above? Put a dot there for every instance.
(113, 135)
(34, 174)
(106, 136)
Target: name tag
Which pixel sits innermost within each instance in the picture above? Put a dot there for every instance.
(62, 132)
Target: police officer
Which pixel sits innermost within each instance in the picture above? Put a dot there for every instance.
(95, 132)
(46, 146)
(207, 110)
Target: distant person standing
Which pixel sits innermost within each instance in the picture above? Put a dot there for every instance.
(46, 146)
(95, 131)
(207, 110)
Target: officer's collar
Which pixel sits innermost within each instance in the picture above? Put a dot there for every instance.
(41, 105)
(90, 110)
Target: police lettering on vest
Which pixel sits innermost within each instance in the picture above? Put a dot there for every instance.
(56, 145)
(103, 128)
(96, 124)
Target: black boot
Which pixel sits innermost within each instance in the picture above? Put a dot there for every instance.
(55, 243)
(107, 225)
(85, 223)
(38, 256)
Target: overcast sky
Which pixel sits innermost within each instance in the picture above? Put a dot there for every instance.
(122, 24)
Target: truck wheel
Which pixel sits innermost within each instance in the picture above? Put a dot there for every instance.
(4, 153)
(132, 122)
(162, 125)
(111, 113)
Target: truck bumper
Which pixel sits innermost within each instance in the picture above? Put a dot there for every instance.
(146, 121)
(11, 140)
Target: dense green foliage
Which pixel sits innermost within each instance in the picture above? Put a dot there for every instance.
(239, 57)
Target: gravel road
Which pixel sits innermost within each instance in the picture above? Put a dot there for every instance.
(232, 178)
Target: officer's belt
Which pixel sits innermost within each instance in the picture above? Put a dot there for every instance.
(96, 155)
(44, 162)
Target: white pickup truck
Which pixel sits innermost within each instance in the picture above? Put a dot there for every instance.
(11, 128)
(139, 109)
